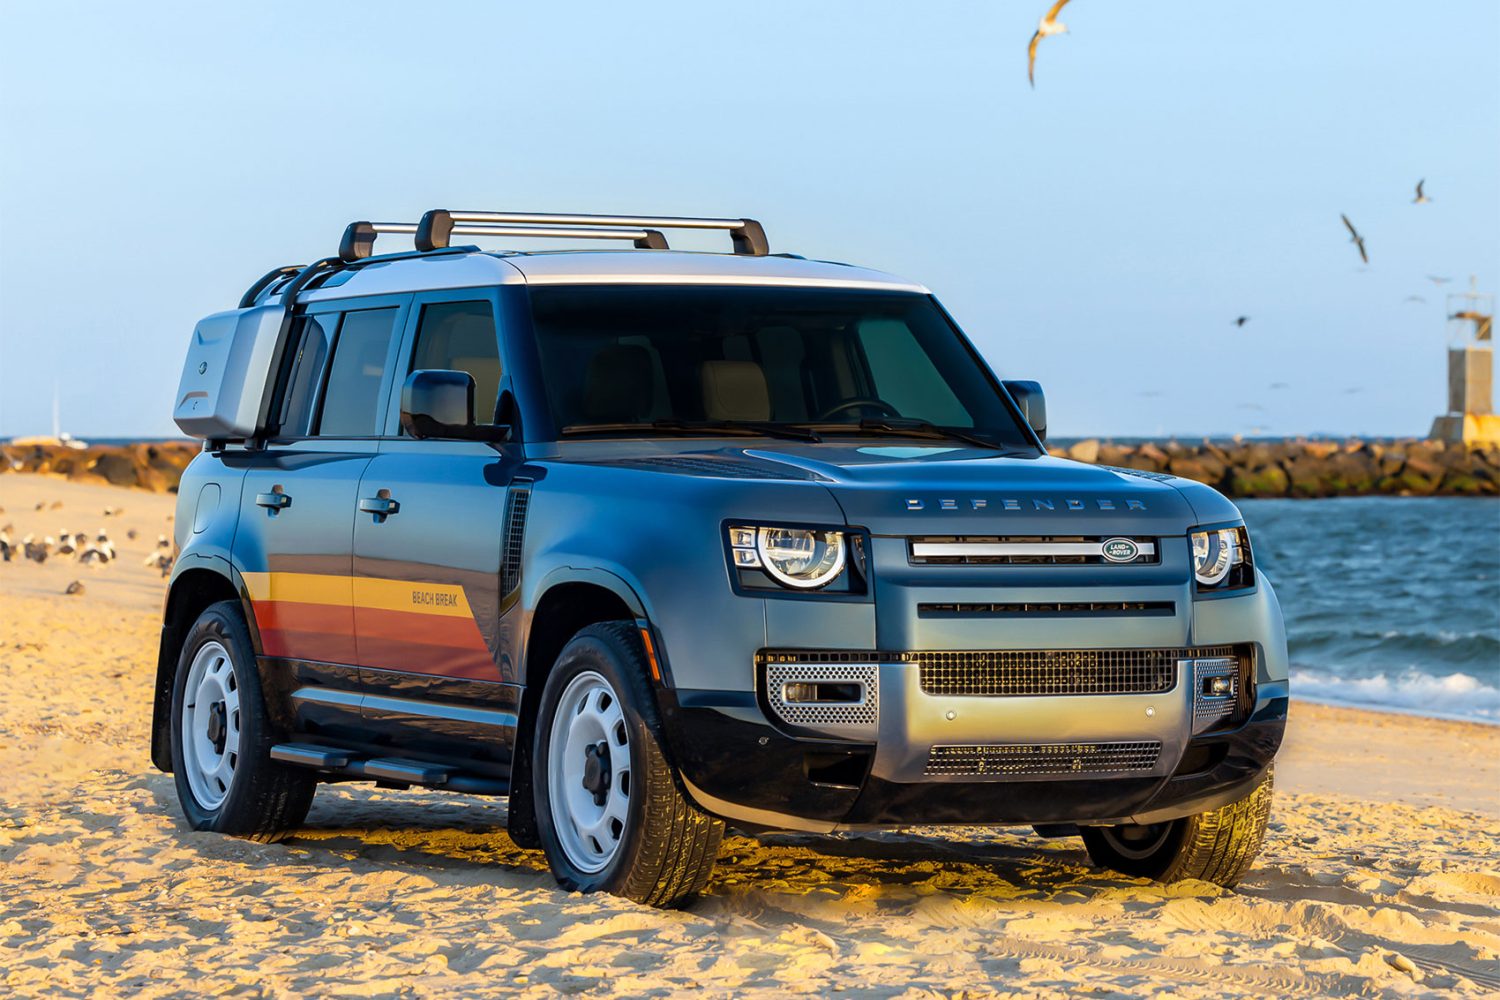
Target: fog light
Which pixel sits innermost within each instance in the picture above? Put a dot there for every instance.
(823, 693)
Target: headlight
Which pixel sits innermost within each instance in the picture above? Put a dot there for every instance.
(1221, 559)
(804, 558)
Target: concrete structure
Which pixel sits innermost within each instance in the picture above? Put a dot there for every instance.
(1471, 417)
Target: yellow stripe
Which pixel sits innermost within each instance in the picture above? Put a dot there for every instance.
(403, 595)
(300, 588)
(379, 594)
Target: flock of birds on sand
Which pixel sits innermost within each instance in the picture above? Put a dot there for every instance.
(1050, 26)
(78, 547)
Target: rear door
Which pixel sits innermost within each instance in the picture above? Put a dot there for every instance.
(294, 542)
(430, 604)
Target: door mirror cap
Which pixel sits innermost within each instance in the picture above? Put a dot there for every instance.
(1033, 403)
(440, 404)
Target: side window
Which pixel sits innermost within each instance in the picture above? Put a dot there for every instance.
(904, 376)
(314, 335)
(460, 336)
(352, 398)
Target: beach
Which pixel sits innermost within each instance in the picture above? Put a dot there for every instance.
(1380, 874)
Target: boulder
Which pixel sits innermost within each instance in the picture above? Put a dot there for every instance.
(1085, 451)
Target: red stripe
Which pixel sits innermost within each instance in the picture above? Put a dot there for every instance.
(421, 643)
(306, 631)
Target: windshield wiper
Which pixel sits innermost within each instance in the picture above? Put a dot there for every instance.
(671, 425)
(909, 427)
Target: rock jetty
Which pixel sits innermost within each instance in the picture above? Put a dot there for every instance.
(1301, 468)
(1291, 468)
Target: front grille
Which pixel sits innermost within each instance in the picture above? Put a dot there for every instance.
(1026, 759)
(1051, 609)
(1027, 550)
(1025, 672)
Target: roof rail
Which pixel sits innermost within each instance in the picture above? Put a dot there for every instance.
(359, 237)
(438, 225)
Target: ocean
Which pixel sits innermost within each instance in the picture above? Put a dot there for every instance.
(1390, 602)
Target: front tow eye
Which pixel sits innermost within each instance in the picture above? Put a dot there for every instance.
(218, 726)
(596, 776)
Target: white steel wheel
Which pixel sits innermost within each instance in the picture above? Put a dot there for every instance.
(211, 725)
(588, 775)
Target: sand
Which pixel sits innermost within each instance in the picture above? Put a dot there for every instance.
(1380, 874)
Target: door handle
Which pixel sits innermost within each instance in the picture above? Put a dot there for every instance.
(381, 507)
(275, 500)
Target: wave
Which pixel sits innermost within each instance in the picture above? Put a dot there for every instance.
(1451, 696)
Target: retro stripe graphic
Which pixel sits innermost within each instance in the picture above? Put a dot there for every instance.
(370, 622)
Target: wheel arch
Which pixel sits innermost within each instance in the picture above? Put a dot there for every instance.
(197, 583)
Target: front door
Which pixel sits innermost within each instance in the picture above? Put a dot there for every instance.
(428, 549)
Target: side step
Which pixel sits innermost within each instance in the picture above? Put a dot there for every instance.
(345, 763)
(413, 772)
(306, 755)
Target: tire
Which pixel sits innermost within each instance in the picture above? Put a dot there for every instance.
(1216, 846)
(626, 830)
(221, 755)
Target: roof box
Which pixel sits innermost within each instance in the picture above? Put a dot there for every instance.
(228, 372)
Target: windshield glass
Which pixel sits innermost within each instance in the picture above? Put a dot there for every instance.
(617, 356)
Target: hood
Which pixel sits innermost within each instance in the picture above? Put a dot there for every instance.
(943, 490)
(907, 487)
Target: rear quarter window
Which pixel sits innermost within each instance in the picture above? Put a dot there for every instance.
(351, 402)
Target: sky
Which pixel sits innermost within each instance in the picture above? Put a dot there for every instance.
(1175, 167)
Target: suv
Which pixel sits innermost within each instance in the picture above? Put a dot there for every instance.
(654, 541)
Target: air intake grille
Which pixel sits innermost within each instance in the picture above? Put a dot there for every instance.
(1023, 759)
(516, 506)
(1025, 672)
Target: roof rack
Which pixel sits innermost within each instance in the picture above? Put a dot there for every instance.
(440, 225)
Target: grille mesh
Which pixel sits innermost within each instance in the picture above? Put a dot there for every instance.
(865, 714)
(1207, 711)
(1024, 672)
(516, 505)
(1043, 758)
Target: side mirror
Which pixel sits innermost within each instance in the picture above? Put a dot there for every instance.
(1033, 403)
(440, 404)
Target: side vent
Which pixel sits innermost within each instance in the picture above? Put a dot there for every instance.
(517, 502)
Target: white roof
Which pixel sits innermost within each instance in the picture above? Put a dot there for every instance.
(596, 267)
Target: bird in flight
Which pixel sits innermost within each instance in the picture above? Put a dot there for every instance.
(1438, 281)
(1415, 298)
(1421, 198)
(1049, 25)
(1355, 238)
(1241, 320)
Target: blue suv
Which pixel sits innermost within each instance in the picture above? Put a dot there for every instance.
(653, 541)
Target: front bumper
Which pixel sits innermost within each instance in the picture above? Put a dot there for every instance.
(757, 776)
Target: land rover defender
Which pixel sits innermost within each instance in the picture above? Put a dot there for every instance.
(654, 541)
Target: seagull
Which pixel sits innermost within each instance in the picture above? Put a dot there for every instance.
(36, 551)
(1438, 281)
(1421, 198)
(74, 589)
(65, 546)
(1241, 320)
(1483, 322)
(1355, 238)
(5, 547)
(1415, 298)
(1049, 25)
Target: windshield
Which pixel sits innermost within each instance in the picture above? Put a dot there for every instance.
(622, 357)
